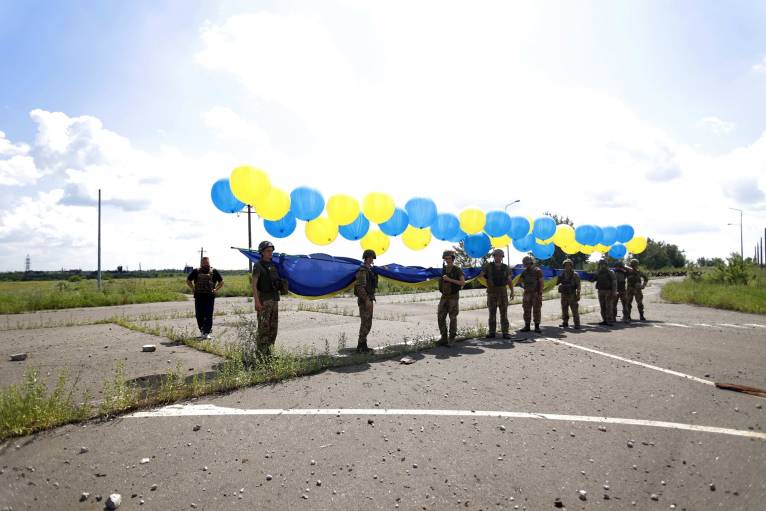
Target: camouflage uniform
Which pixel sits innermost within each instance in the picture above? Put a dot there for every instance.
(621, 274)
(449, 304)
(268, 287)
(364, 288)
(569, 286)
(497, 295)
(606, 284)
(532, 301)
(636, 282)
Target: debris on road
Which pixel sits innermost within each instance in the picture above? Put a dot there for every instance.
(18, 357)
(407, 360)
(149, 347)
(114, 501)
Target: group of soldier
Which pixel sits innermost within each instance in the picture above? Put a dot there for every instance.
(620, 284)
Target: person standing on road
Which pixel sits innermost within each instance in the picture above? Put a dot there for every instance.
(622, 275)
(636, 282)
(364, 289)
(267, 286)
(606, 283)
(205, 283)
(569, 286)
(532, 301)
(499, 279)
(452, 280)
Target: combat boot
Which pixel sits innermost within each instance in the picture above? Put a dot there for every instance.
(537, 328)
(490, 335)
(641, 317)
(506, 335)
(526, 328)
(442, 341)
(565, 324)
(577, 326)
(361, 347)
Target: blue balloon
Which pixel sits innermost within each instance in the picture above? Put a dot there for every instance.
(618, 251)
(525, 243)
(460, 236)
(585, 234)
(421, 211)
(281, 228)
(598, 236)
(397, 224)
(497, 224)
(477, 245)
(609, 235)
(356, 229)
(624, 233)
(543, 252)
(519, 228)
(445, 227)
(306, 203)
(544, 228)
(223, 199)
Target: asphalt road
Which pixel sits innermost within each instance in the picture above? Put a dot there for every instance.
(628, 415)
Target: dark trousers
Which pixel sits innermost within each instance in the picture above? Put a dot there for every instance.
(203, 309)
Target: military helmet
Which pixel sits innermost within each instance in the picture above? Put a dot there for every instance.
(528, 260)
(448, 253)
(633, 261)
(567, 261)
(499, 252)
(264, 245)
(369, 253)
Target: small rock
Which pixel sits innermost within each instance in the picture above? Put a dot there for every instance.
(149, 347)
(153, 488)
(607, 497)
(582, 494)
(84, 496)
(319, 483)
(654, 496)
(370, 421)
(630, 444)
(114, 501)
(204, 469)
(144, 461)
(193, 505)
(98, 498)
(712, 487)
(602, 428)
(502, 428)
(558, 503)
(83, 450)
(18, 357)
(313, 462)
(196, 427)
(268, 477)
(407, 360)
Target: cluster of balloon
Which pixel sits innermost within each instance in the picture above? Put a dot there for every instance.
(417, 223)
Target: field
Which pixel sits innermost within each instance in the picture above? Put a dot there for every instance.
(713, 289)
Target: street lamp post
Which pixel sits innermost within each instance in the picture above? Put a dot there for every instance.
(508, 247)
(741, 244)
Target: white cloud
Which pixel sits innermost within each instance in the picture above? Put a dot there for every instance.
(760, 67)
(16, 166)
(716, 126)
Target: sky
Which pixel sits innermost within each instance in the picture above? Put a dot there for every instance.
(646, 113)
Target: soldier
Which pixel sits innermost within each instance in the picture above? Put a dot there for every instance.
(499, 279)
(452, 280)
(267, 286)
(636, 282)
(205, 282)
(606, 283)
(622, 275)
(364, 289)
(569, 287)
(532, 301)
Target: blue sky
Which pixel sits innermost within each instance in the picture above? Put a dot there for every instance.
(682, 85)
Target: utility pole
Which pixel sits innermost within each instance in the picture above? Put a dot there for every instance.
(741, 244)
(508, 247)
(27, 265)
(98, 275)
(201, 255)
(249, 238)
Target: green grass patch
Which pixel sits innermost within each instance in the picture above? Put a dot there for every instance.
(739, 297)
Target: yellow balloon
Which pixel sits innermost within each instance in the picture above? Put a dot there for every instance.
(321, 231)
(601, 248)
(531, 224)
(249, 184)
(378, 207)
(564, 235)
(416, 239)
(500, 242)
(342, 209)
(274, 206)
(377, 241)
(636, 245)
(587, 249)
(544, 242)
(570, 248)
(472, 220)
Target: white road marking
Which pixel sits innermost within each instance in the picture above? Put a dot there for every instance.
(703, 324)
(730, 325)
(755, 325)
(656, 326)
(636, 362)
(189, 410)
(676, 324)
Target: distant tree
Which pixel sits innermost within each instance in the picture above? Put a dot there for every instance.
(659, 254)
(715, 261)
